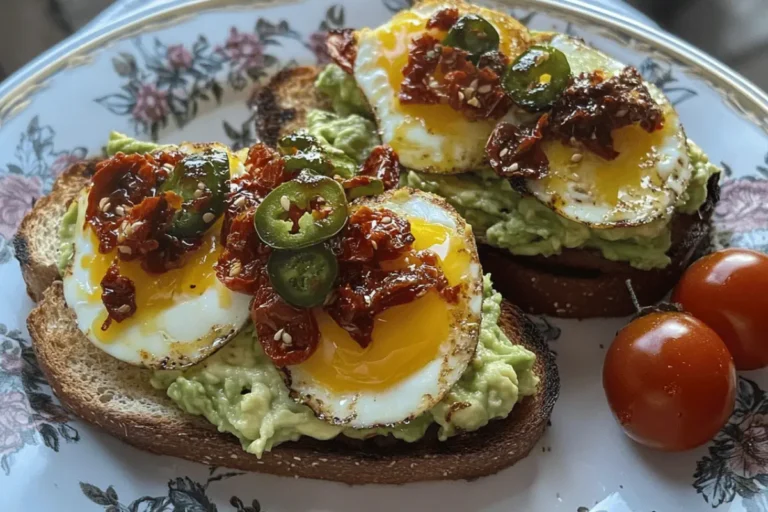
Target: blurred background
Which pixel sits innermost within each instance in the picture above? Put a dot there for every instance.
(734, 31)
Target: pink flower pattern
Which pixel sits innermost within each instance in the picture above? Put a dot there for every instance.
(244, 50)
(179, 57)
(151, 104)
(17, 196)
(15, 418)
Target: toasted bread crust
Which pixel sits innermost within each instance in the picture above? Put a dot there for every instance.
(99, 394)
(36, 244)
(281, 106)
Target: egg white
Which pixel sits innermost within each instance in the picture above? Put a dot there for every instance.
(187, 332)
(572, 188)
(421, 390)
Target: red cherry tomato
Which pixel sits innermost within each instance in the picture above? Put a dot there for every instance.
(728, 291)
(670, 381)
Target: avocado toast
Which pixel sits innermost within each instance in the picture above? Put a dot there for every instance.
(154, 409)
(625, 197)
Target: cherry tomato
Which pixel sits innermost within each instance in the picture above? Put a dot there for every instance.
(728, 291)
(670, 381)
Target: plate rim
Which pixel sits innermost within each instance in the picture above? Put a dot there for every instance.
(16, 91)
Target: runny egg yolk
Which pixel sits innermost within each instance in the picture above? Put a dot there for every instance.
(405, 338)
(394, 39)
(632, 174)
(155, 293)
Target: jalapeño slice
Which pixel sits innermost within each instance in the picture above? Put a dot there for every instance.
(303, 278)
(201, 180)
(301, 151)
(302, 212)
(361, 186)
(537, 78)
(474, 34)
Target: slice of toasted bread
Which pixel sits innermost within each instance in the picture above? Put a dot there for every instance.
(36, 244)
(118, 398)
(579, 283)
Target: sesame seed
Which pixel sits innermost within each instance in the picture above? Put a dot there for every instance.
(120, 210)
(386, 220)
(208, 217)
(374, 244)
(168, 167)
(461, 96)
(239, 201)
(106, 206)
(235, 268)
(287, 338)
(285, 203)
(200, 185)
(198, 194)
(469, 92)
(503, 152)
(514, 167)
(484, 89)
(621, 113)
(473, 102)
(278, 335)
(103, 202)
(124, 309)
(576, 157)
(124, 249)
(474, 83)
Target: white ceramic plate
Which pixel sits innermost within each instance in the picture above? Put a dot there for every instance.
(184, 74)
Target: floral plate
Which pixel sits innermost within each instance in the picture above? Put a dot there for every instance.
(184, 73)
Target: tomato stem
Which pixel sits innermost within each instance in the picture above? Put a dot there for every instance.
(633, 295)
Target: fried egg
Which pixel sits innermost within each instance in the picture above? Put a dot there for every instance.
(433, 138)
(418, 350)
(641, 185)
(182, 315)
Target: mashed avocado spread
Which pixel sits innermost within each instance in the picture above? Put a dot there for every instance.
(239, 390)
(503, 218)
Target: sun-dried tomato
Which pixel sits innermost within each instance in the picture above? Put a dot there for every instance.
(383, 163)
(593, 106)
(423, 57)
(516, 152)
(118, 295)
(265, 170)
(373, 235)
(242, 264)
(143, 235)
(475, 92)
(443, 19)
(495, 61)
(364, 292)
(287, 334)
(342, 48)
(120, 183)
